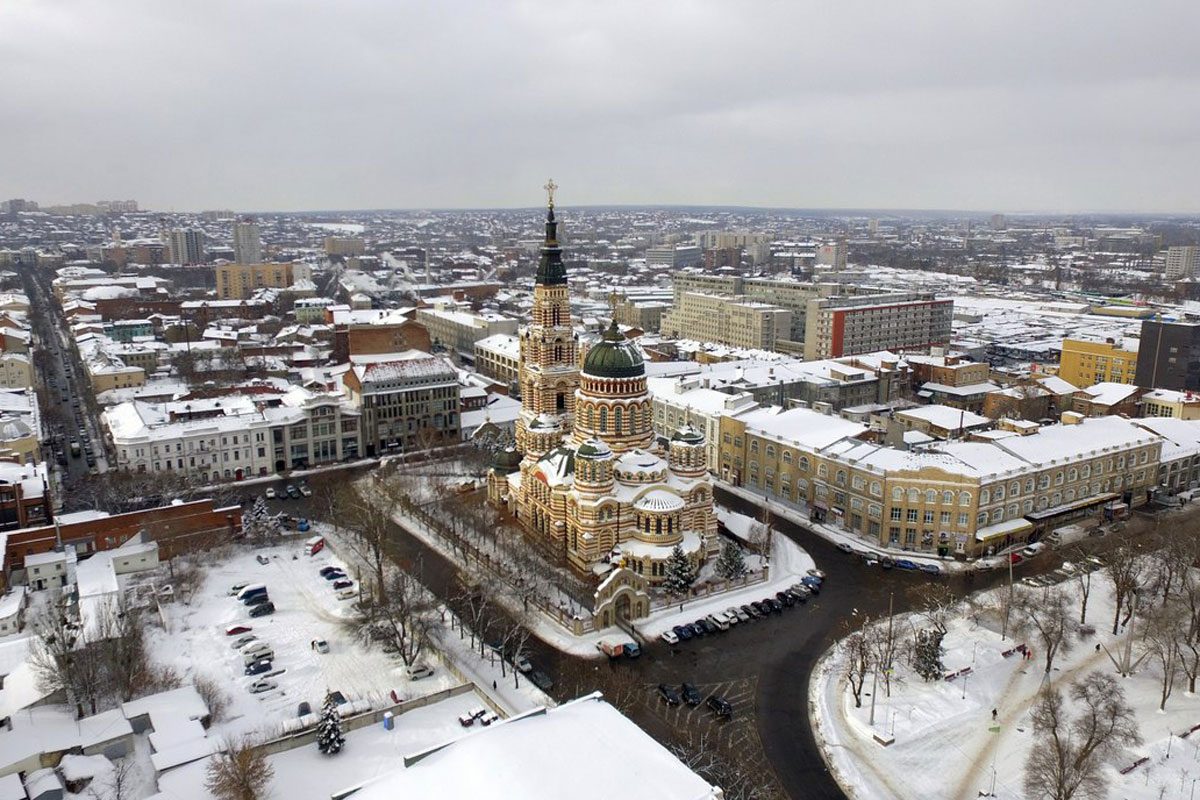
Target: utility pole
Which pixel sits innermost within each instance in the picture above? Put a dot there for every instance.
(1008, 606)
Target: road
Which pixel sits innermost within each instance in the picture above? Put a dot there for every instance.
(762, 667)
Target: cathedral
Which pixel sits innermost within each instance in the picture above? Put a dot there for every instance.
(587, 478)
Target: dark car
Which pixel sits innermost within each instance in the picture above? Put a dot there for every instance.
(691, 695)
(719, 705)
(684, 632)
(336, 575)
(887, 562)
(904, 563)
(757, 609)
(785, 598)
(800, 592)
(668, 694)
(749, 609)
(697, 630)
(813, 584)
(258, 667)
(709, 627)
(330, 569)
(773, 604)
(263, 609)
(303, 709)
(292, 492)
(541, 680)
(257, 599)
(344, 583)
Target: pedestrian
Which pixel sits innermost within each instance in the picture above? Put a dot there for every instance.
(1097, 647)
(993, 715)
(493, 685)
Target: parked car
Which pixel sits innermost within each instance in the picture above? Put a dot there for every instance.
(870, 559)
(741, 614)
(260, 558)
(668, 695)
(335, 575)
(489, 718)
(262, 685)
(304, 709)
(801, 591)
(709, 627)
(237, 587)
(684, 632)
(1033, 549)
(785, 598)
(719, 706)
(328, 569)
(984, 564)
(234, 630)
(257, 599)
(750, 611)
(887, 562)
(720, 623)
(346, 594)
(304, 490)
(632, 650)
(541, 680)
(932, 569)
(904, 563)
(343, 583)
(522, 664)
(690, 694)
(418, 671)
(812, 584)
(467, 719)
(258, 667)
(320, 645)
(845, 547)
(263, 609)
(816, 573)
(774, 605)
(271, 493)
(242, 641)
(757, 610)
(670, 637)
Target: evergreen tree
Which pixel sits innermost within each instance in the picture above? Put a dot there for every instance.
(731, 564)
(329, 732)
(927, 656)
(679, 577)
(258, 523)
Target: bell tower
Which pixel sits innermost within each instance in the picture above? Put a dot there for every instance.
(549, 352)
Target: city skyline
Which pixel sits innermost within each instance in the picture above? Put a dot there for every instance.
(397, 106)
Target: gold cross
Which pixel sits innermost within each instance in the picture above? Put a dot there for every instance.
(613, 299)
(550, 187)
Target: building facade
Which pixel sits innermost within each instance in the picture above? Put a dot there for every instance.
(456, 330)
(409, 401)
(587, 483)
(1084, 363)
(1169, 355)
(240, 281)
(499, 357)
(187, 246)
(844, 326)
(247, 247)
(733, 321)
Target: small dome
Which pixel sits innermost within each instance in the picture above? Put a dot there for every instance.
(614, 356)
(688, 435)
(507, 460)
(594, 449)
(659, 501)
(545, 422)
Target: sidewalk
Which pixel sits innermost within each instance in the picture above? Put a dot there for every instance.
(837, 535)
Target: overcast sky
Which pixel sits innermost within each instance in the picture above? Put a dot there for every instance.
(295, 104)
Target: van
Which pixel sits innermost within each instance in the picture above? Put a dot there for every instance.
(257, 655)
(252, 591)
(314, 545)
(1033, 549)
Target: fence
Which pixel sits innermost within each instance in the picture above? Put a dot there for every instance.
(712, 589)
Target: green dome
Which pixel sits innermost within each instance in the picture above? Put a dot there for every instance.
(614, 356)
(507, 460)
(593, 448)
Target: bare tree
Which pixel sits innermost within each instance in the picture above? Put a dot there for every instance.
(1049, 618)
(1165, 630)
(703, 753)
(241, 772)
(1083, 583)
(368, 519)
(1068, 757)
(59, 660)
(1188, 603)
(120, 783)
(403, 621)
(1125, 568)
(119, 641)
(855, 650)
(213, 695)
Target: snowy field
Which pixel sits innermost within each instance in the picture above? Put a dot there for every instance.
(306, 609)
(945, 742)
(369, 752)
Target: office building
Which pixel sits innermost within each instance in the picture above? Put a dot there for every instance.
(247, 248)
(1085, 362)
(1169, 355)
(454, 329)
(499, 357)
(895, 321)
(409, 401)
(241, 281)
(187, 246)
(345, 246)
(674, 256)
(734, 321)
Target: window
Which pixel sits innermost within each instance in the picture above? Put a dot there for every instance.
(944, 518)
(981, 518)
(896, 514)
(803, 464)
(985, 497)
(964, 498)
(998, 495)
(962, 519)
(770, 451)
(787, 456)
(928, 517)
(998, 515)
(754, 446)
(947, 498)
(876, 488)
(1072, 474)
(1058, 478)
(914, 495)
(930, 496)
(1028, 485)
(1014, 488)
(910, 515)
(897, 493)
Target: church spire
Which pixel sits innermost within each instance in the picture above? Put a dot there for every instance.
(551, 269)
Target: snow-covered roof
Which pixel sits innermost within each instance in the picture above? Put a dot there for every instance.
(945, 417)
(508, 759)
(1107, 393)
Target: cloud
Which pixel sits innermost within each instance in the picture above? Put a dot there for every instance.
(266, 104)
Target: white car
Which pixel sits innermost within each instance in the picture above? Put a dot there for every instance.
(346, 594)
(816, 573)
(986, 564)
(262, 685)
(522, 664)
(304, 490)
(1033, 549)
(418, 671)
(669, 637)
(242, 641)
(271, 493)
(320, 645)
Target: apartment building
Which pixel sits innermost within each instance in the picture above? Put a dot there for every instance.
(757, 246)
(1084, 362)
(1169, 355)
(963, 499)
(232, 438)
(241, 281)
(345, 246)
(16, 371)
(247, 246)
(1182, 261)
(790, 294)
(733, 321)
(187, 246)
(409, 401)
(847, 325)
(674, 256)
(452, 328)
(498, 357)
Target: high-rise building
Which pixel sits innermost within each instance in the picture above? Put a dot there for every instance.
(847, 326)
(247, 248)
(1169, 355)
(1182, 262)
(735, 321)
(675, 256)
(240, 281)
(187, 246)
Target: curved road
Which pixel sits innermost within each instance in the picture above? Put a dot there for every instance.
(768, 661)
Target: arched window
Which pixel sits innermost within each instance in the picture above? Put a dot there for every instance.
(897, 493)
(770, 451)
(787, 456)
(964, 498)
(603, 419)
(876, 488)
(633, 419)
(985, 497)
(804, 463)
(587, 417)
(754, 445)
(1014, 488)
(617, 427)
(914, 495)
(930, 496)
(841, 477)
(947, 498)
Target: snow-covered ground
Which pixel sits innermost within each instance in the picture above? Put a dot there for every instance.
(305, 609)
(945, 745)
(304, 772)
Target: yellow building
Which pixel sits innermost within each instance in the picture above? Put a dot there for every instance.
(1170, 403)
(240, 281)
(1085, 363)
(15, 371)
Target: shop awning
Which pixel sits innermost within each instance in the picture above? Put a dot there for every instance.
(1066, 508)
(1008, 528)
